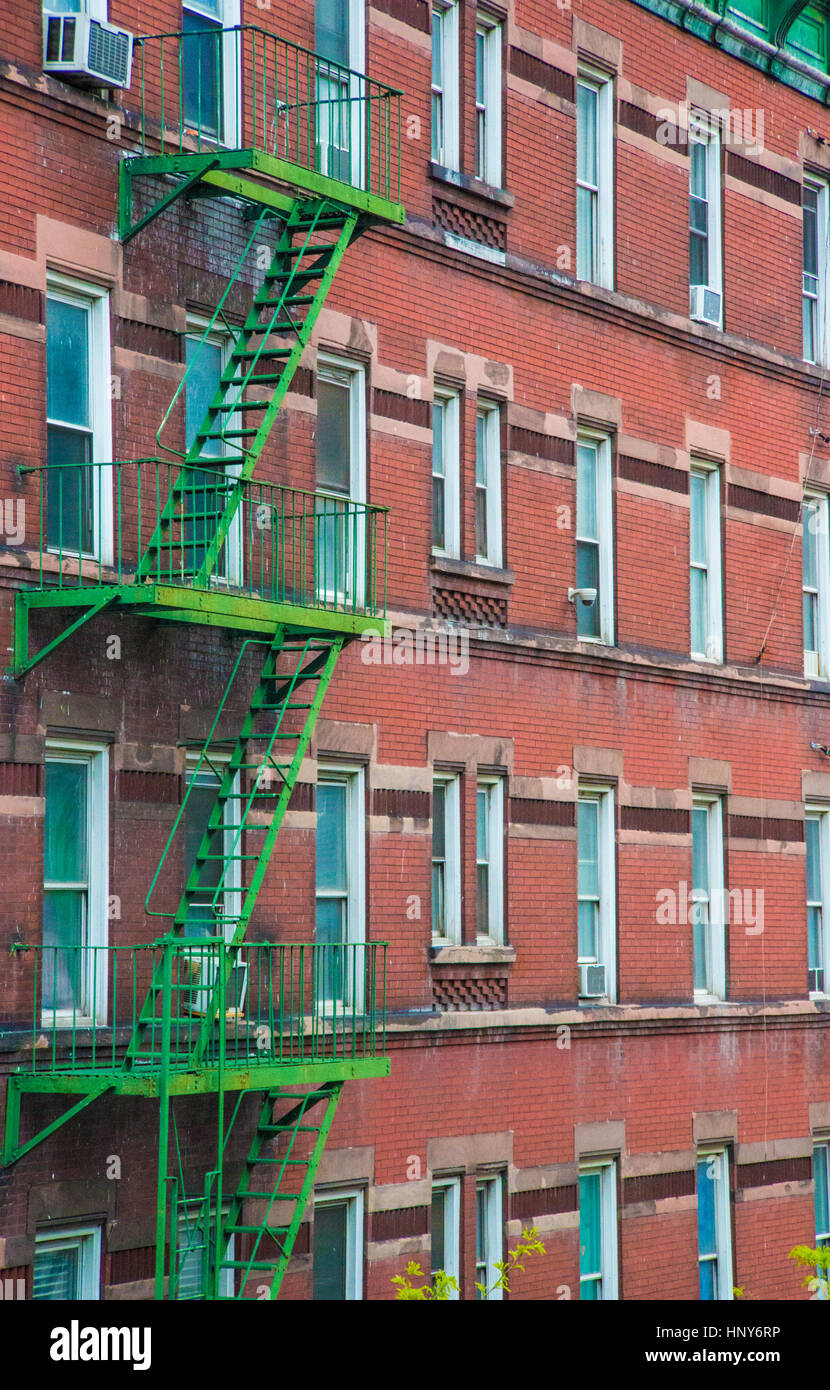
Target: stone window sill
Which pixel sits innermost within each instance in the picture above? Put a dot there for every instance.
(472, 955)
(467, 569)
(455, 179)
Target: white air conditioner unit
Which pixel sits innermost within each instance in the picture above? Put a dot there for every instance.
(80, 47)
(704, 304)
(592, 982)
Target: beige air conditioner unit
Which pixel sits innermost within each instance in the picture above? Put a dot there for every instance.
(85, 50)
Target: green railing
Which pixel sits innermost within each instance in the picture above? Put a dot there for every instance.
(289, 546)
(244, 88)
(77, 1007)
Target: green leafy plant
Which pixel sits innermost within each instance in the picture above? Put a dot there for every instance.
(817, 1261)
(443, 1285)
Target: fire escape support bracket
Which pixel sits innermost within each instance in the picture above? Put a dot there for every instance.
(22, 662)
(12, 1148)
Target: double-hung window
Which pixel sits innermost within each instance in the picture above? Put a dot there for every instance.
(340, 529)
(78, 419)
(705, 563)
(67, 1265)
(216, 885)
(445, 1229)
(489, 1236)
(210, 96)
(207, 355)
(705, 276)
(595, 178)
(446, 469)
(814, 301)
(815, 584)
(708, 898)
(488, 151)
(817, 835)
(594, 543)
(821, 1183)
(75, 877)
(338, 1246)
(340, 893)
(598, 1257)
(490, 859)
(445, 85)
(488, 484)
(343, 114)
(714, 1226)
(596, 896)
(446, 858)
(194, 1253)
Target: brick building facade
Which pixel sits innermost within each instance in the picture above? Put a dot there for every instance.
(589, 830)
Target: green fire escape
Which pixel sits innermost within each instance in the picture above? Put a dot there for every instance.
(310, 152)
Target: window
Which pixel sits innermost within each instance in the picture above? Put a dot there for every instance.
(489, 1236)
(594, 552)
(207, 355)
(713, 1226)
(446, 859)
(815, 584)
(595, 179)
(210, 97)
(817, 835)
(445, 1229)
(704, 220)
(75, 879)
(193, 1254)
(341, 478)
(445, 73)
(598, 1277)
(78, 415)
(96, 8)
(488, 100)
(343, 129)
(814, 299)
(488, 485)
(446, 506)
(705, 563)
(490, 859)
(821, 1182)
(68, 1265)
(596, 896)
(340, 897)
(708, 898)
(338, 1246)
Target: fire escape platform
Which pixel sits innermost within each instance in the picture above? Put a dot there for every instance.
(149, 1081)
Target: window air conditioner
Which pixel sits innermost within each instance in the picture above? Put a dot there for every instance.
(78, 46)
(592, 982)
(704, 304)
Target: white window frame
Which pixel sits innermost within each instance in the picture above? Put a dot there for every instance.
(358, 116)
(450, 403)
(608, 1235)
(230, 17)
(603, 796)
(226, 1276)
(821, 814)
(712, 565)
(486, 1271)
(703, 130)
(601, 271)
(493, 786)
(446, 150)
(342, 371)
(88, 1241)
(723, 1222)
(715, 928)
(488, 112)
(451, 781)
(820, 297)
(817, 663)
(490, 413)
(198, 330)
(451, 1187)
(601, 444)
(354, 779)
(95, 756)
(96, 9)
(821, 1156)
(95, 299)
(353, 1197)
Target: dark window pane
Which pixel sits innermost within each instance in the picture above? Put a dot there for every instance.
(202, 74)
(330, 1250)
(70, 521)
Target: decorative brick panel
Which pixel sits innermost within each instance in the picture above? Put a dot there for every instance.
(785, 508)
(408, 410)
(778, 1170)
(415, 13)
(302, 382)
(21, 779)
(474, 226)
(528, 68)
(398, 1224)
(148, 339)
(640, 121)
(302, 797)
(541, 446)
(527, 811)
(652, 474)
(22, 302)
(543, 1201)
(769, 180)
(765, 828)
(389, 801)
(128, 1266)
(656, 1187)
(147, 786)
(473, 610)
(656, 820)
(481, 992)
